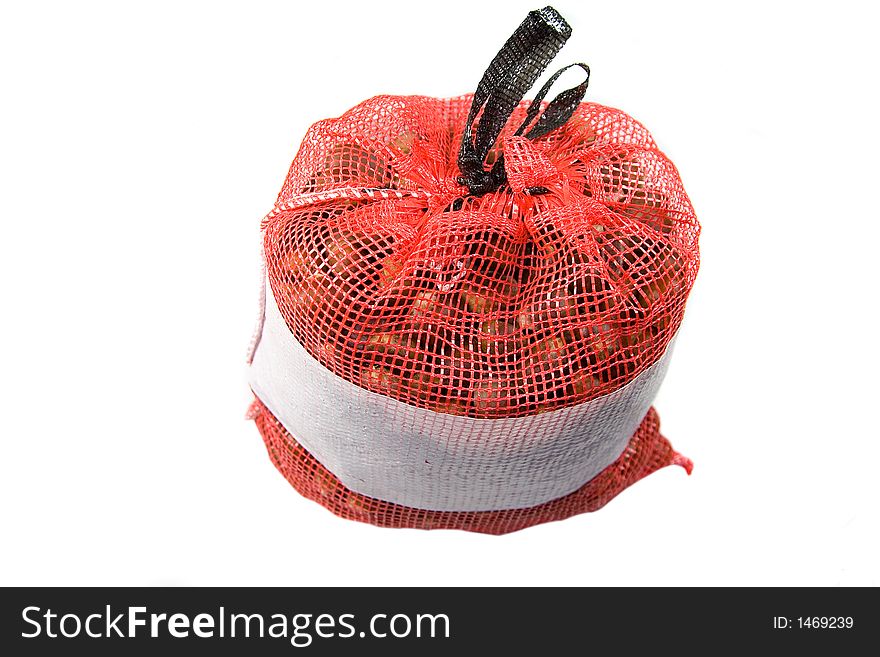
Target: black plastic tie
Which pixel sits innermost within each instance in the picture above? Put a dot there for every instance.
(513, 71)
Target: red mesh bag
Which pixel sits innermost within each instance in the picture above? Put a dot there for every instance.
(471, 303)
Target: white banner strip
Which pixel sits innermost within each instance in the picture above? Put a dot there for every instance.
(399, 453)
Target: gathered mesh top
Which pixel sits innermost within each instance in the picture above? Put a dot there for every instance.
(560, 286)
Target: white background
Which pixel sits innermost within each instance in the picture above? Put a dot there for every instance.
(140, 147)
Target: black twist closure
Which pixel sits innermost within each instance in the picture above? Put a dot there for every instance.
(511, 74)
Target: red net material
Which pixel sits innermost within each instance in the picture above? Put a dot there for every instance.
(560, 287)
(647, 452)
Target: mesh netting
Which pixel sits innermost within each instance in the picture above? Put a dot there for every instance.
(647, 452)
(481, 257)
(560, 287)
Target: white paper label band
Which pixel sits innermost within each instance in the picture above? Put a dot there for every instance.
(383, 448)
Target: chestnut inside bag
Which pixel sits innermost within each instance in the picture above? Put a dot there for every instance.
(471, 302)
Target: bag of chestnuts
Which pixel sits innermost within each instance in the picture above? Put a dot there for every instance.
(470, 303)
